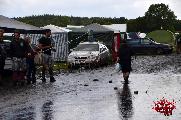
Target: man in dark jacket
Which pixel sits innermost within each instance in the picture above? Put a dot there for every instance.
(124, 59)
(18, 49)
(45, 44)
(2, 54)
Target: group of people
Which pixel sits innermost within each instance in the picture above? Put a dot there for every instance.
(23, 53)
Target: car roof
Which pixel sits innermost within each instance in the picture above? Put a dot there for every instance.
(91, 43)
(88, 43)
(7, 40)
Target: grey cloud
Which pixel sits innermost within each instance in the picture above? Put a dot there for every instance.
(90, 8)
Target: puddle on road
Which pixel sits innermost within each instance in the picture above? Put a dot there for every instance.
(125, 103)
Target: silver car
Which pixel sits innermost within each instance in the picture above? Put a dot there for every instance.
(87, 53)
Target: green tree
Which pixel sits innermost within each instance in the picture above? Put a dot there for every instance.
(159, 16)
(137, 25)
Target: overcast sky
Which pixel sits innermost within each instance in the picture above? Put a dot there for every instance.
(130, 9)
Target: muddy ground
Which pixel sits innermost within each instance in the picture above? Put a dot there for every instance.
(99, 94)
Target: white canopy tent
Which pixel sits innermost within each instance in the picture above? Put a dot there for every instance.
(117, 28)
(55, 29)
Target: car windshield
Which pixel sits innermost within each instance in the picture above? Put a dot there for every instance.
(87, 47)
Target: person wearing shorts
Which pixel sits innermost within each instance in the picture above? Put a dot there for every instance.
(45, 44)
(18, 49)
(124, 60)
(2, 54)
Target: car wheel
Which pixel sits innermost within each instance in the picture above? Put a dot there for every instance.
(159, 51)
(100, 63)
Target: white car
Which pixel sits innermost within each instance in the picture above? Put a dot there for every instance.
(87, 53)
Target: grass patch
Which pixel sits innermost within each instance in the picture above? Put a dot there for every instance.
(60, 65)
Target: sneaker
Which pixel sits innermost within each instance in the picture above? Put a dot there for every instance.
(52, 79)
(28, 82)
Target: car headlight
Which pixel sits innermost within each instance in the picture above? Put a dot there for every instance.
(94, 57)
(70, 56)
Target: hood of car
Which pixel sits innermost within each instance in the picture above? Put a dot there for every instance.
(83, 53)
(163, 44)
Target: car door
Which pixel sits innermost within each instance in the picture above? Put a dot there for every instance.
(146, 46)
(103, 53)
(106, 52)
(134, 44)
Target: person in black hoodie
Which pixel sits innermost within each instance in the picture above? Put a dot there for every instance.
(18, 49)
(124, 59)
(2, 54)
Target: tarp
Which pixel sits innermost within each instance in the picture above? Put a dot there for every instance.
(10, 25)
(117, 28)
(55, 29)
(95, 27)
(100, 33)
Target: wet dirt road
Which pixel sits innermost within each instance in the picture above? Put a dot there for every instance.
(92, 94)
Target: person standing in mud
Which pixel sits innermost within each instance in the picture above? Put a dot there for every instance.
(2, 54)
(18, 49)
(178, 44)
(124, 59)
(31, 68)
(46, 44)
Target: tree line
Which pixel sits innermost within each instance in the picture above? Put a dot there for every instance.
(158, 16)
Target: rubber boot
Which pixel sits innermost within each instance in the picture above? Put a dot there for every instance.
(43, 75)
(52, 79)
(1, 80)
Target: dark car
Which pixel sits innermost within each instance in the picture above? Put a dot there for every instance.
(148, 46)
